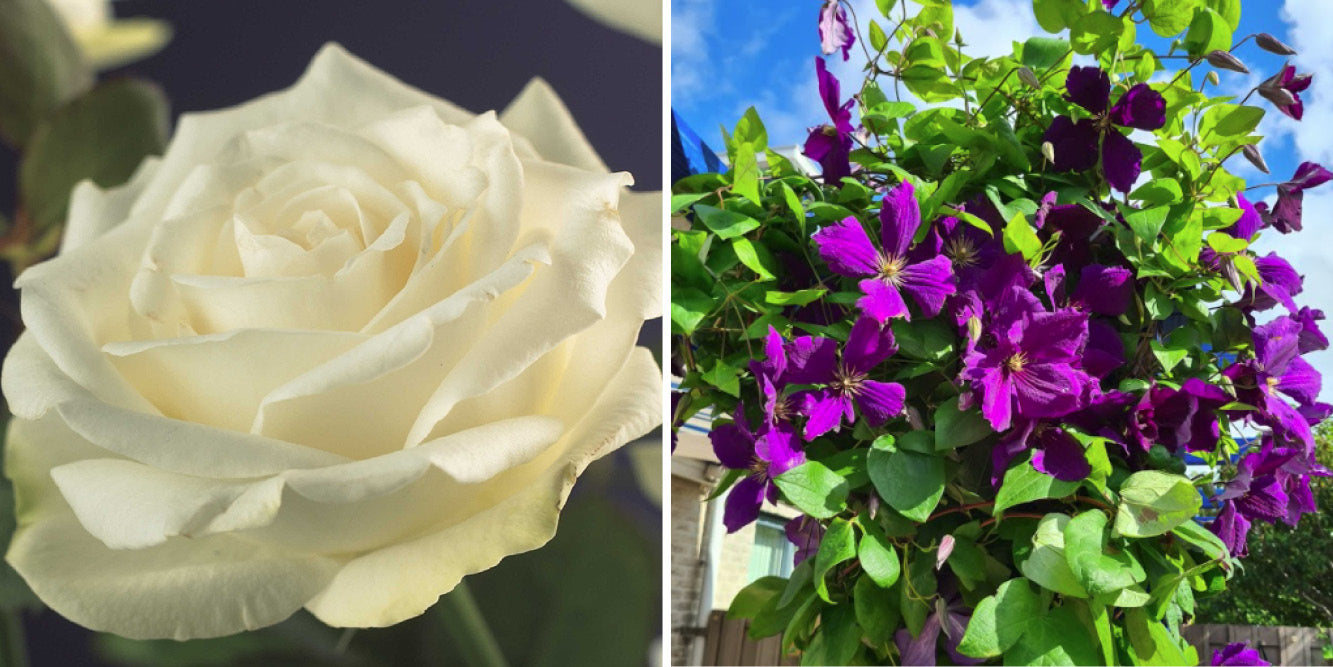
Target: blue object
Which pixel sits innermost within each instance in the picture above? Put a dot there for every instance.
(689, 153)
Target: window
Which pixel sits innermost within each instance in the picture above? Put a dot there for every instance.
(772, 553)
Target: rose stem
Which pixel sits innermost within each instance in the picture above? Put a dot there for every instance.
(463, 622)
(13, 651)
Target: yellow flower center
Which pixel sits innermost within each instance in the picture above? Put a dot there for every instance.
(890, 268)
(1016, 362)
(961, 250)
(847, 381)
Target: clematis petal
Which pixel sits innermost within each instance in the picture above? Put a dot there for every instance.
(1104, 290)
(1300, 381)
(1104, 352)
(1088, 87)
(899, 218)
(733, 443)
(847, 249)
(1232, 528)
(1075, 144)
(780, 448)
(882, 301)
(825, 411)
(1250, 221)
(997, 399)
(1311, 338)
(1048, 390)
(1059, 336)
(929, 283)
(868, 344)
(810, 360)
(1141, 108)
(834, 32)
(880, 401)
(1061, 456)
(743, 503)
(1121, 161)
(919, 650)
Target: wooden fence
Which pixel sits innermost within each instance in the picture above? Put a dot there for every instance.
(1280, 645)
(725, 643)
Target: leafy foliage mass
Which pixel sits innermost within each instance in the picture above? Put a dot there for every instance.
(975, 350)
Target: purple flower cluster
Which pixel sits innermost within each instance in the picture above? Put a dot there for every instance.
(1078, 143)
(838, 385)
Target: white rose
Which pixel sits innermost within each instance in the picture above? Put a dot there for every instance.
(106, 42)
(343, 345)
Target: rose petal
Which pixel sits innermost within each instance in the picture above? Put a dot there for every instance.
(541, 117)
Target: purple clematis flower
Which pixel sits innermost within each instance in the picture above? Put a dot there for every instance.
(951, 616)
(1030, 366)
(1286, 214)
(806, 533)
(1176, 418)
(834, 31)
(847, 383)
(1280, 284)
(1276, 371)
(889, 272)
(1077, 143)
(1237, 655)
(737, 447)
(1283, 90)
(1250, 220)
(1054, 451)
(1311, 338)
(1271, 484)
(831, 144)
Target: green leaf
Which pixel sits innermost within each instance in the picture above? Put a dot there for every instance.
(1158, 192)
(878, 557)
(41, 68)
(1146, 223)
(1056, 15)
(726, 224)
(1149, 642)
(1223, 242)
(1096, 32)
(750, 130)
(910, 482)
(724, 376)
(838, 545)
(794, 204)
(1202, 539)
(745, 173)
(688, 308)
(1168, 18)
(885, 7)
(958, 428)
(929, 340)
(103, 135)
(1098, 569)
(1229, 120)
(752, 599)
(1208, 32)
(878, 41)
(1228, 10)
(836, 639)
(916, 441)
(1040, 53)
(1020, 238)
(877, 609)
(814, 489)
(1153, 502)
(1024, 483)
(681, 202)
(1000, 620)
(1058, 638)
(797, 298)
(1047, 565)
(756, 257)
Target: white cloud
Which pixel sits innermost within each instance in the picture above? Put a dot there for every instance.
(990, 27)
(1311, 35)
(692, 23)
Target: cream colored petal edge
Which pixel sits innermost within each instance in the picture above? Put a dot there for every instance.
(539, 115)
(94, 211)
(333, 77)
(399, 582)
(182, 589)
(641, 18)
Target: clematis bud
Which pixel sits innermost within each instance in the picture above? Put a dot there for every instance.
(1225, 60)
(1048, 151)
(946, 548)
(1251, 153)
(973, 332)
(1213, 78)
(1232, 274)
(914, 419)
(1271, 44)
(1026, 76)
(1280, 97)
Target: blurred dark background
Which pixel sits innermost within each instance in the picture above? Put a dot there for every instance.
(578, 601)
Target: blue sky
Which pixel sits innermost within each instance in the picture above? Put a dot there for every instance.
(731, 54)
